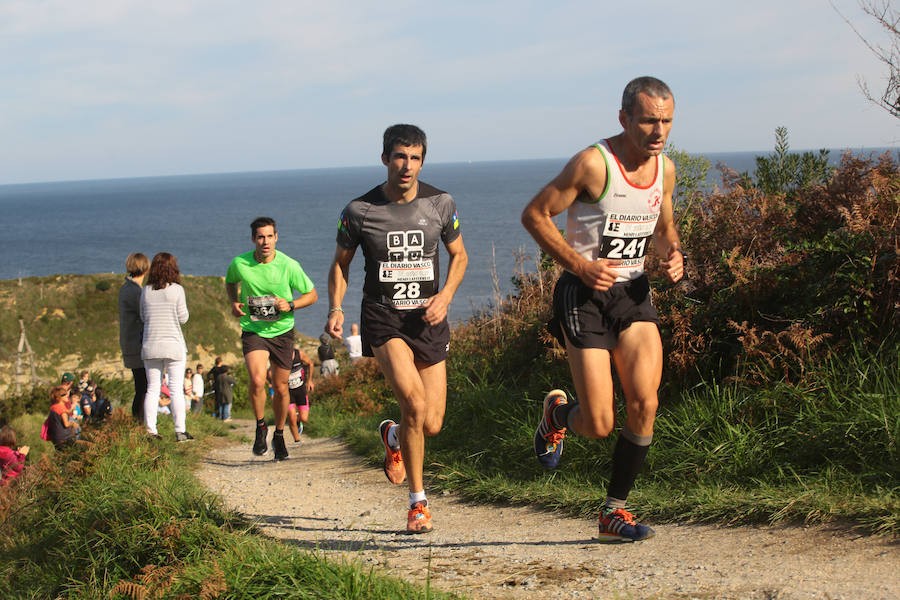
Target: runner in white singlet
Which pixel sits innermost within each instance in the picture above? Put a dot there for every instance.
(618, 194)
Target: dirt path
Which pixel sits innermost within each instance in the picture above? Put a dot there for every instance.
(325, 498)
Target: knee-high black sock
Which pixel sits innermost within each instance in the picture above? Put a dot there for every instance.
(628, 459)
(559, 416)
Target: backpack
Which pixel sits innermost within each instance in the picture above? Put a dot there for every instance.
(45, 430)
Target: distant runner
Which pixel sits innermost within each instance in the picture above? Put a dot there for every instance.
(260, 286)
(404, 310)
(301, 385)
(618, 194)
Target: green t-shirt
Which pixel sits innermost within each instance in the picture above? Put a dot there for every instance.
(260, 284)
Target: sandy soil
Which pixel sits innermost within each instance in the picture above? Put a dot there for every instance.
(324, 497)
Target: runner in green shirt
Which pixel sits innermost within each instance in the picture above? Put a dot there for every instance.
(261, 286)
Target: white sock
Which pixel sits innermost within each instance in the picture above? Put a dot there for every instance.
(417, 497)
(392, 439)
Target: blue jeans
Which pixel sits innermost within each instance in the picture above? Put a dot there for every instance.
(226, 411)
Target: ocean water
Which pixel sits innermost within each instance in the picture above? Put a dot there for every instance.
(91, 226)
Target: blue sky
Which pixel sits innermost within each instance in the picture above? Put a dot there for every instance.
(98, 89)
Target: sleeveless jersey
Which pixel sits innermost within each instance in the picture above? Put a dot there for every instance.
(297, 379)
(400, 243)
(618, 225)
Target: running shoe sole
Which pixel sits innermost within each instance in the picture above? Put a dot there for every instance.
(548, 452)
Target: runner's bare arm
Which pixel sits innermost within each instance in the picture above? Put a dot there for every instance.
(306, 299)
(665, 237)
(304, 357)
(436, 306)
(235, 299)
(338, 275)
(585, 172)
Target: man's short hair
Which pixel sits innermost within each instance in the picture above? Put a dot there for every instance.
(403, 135)
(136, 264)
(262, 222)
(651, 86)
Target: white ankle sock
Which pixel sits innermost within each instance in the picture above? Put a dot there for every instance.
(392, 439)
(417, 497)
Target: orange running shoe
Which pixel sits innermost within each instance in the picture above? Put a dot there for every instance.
(393, 459)
(418, 520)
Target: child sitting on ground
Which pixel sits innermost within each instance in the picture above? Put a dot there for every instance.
(12, 459)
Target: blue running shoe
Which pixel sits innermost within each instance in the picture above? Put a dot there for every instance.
(619, 526)
(548, 441)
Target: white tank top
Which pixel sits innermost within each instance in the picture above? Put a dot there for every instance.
(618, 225)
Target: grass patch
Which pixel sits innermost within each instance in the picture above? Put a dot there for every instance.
(120, 516)
(824, 450)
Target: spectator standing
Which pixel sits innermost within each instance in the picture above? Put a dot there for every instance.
(213, 375)
(190, 398)
(163, 311)
(225, 392)
(131, 328)
(12, 458)
(354, 344)
(197, 384)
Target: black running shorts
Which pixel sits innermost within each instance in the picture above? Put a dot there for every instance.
(280, 347)
(594, 319)
(379, 323)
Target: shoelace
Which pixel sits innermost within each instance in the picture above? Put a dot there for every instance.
(624, 515)
(555, 436)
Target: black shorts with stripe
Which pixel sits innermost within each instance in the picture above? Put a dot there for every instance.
(594, 319)
(379, 323)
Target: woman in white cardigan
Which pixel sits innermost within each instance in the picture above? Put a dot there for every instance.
(164, 311)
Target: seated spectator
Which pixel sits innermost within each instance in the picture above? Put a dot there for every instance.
(12, 459)
(67, 380)
(102, 406)
(73, 405)
(84, 381)
(163, 406)
(326, 356)
(86, 402)
(60, 429)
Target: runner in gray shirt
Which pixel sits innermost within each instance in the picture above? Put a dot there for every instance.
(404, 311)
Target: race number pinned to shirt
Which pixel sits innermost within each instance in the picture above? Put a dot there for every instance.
(625, 238)
(296, 379)
(262, 308)
(406, 279)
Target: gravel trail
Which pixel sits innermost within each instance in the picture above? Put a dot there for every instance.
(324, 497)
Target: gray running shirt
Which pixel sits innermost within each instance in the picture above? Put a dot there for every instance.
(400, 243)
